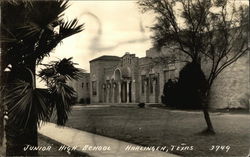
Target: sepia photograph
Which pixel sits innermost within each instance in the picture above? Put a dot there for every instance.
(125, 78)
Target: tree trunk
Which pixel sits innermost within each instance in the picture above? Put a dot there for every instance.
(1, 129)
(210, 129)
(2, 109)
(1, 122)
(204, 91)
(18, 139)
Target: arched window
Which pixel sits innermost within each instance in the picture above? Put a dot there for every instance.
(94, 90)
(143, 79)
(151, 77)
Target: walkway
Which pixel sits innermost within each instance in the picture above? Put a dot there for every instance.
(96, 145)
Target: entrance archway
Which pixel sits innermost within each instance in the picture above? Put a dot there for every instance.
(118, 75)
(123, 90)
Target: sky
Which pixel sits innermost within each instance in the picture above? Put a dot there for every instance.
(111, 28)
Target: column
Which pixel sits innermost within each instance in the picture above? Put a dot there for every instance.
(127, 91)
(113, 91)
(154, 90)
(107, 90)
(145, 91)
(103, 95)
(119, 93)
(133, 96)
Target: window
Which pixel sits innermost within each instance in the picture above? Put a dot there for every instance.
(108, 84)
(143, 79)
(82, 85)
(169, 74)
(157, 79)
(166, 75)
(87, 86)
(94, 92)
(151, 81)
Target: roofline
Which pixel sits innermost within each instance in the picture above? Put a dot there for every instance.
(100, 58)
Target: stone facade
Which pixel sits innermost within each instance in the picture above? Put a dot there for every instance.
(129, 79)
(82, 88)
(232, 87)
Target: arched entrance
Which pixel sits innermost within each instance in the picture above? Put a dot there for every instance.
(123, 90)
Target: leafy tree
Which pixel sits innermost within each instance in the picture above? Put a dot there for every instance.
(28, 34)
(213, 30)
(188, 87)
(191, 82)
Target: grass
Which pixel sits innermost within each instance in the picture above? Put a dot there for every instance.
(161, 127)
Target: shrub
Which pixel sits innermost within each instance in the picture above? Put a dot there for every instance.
(141, 105)
(74, 100)
(82, 101)
(187, 92)
(87, 100)
(192, 85)
(170, 93)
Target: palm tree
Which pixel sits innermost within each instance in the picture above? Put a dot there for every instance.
(28, 34)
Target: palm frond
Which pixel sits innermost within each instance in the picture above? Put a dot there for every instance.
(46, 44)
(66, 67)
(43, 106)
(6, 35)
(47, 73)
(26, 104)
(29, 30)
(18, 101)
(40, 9)
(18, 2)
(4, 39)
(60, 71)
(63, 97)
(34, 25)
(69, 28)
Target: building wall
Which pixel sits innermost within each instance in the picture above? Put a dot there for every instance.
(230, 90)
(232, 87)
(99, 73)
(132, 70)
(82, 88)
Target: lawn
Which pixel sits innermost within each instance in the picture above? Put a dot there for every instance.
(161, 127)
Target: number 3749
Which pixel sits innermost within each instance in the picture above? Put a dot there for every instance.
(217, 148)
